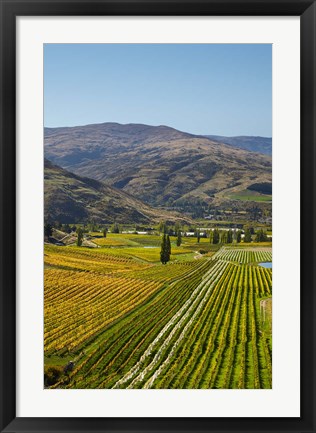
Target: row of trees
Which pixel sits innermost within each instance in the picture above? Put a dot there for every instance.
(216, 236)
(86, 228)
(220, 236)
(228, 237)
(225, 237)
(66, 228)
(261, 236)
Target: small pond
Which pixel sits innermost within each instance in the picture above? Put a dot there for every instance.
(266, 265)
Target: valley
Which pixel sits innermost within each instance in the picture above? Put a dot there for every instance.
(161, 166)
(154, 241)
(118, 318)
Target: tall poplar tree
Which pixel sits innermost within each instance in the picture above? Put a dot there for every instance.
(247, 237)
(80, 236)
(48, 230)
(215, 236)
(165, 249)
(261, 236)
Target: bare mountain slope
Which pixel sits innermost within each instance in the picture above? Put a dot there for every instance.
(158, 164)
(73, 199)
(254, 144)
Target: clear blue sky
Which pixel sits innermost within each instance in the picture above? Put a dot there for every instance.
(220, 89)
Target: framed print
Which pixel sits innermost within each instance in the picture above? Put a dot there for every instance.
(154, 158)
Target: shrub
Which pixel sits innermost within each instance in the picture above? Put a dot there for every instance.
(52, 375)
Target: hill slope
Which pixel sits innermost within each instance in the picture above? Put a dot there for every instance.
(253, 144)
(158, 164)
(73, 199)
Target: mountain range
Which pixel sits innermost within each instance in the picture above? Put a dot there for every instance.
(158, 165)
(253, 144)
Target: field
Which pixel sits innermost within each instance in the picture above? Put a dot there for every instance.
(124, 320)
(247, 195)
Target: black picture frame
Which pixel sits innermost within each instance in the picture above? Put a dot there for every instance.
(10, 9)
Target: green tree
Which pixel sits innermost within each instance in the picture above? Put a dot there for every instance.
(198, 236)
(261, 236)
(229, 236)
(165, 249)
(223, 237)
(238, 236)
(48, 230)
(67, 228)
(115, 228)
(179, 238)
(104, 231)
(170, 231)
(247, 237)
(215, 236)
(211, 236)
(52, 374)
(79, 236)
(92, 227)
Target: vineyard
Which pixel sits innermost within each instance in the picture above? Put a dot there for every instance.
(126, 321)
(248, 255)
